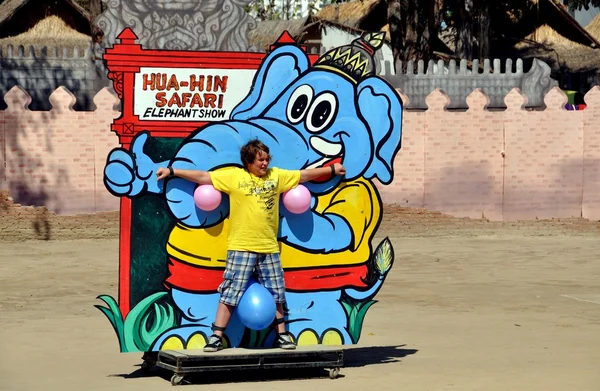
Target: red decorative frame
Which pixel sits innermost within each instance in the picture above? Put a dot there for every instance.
(123, 61)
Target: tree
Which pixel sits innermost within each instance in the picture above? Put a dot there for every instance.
(312, 7)
(274, 10)
(286, 9)
(94, 7)
(325, 3)
(579, 4)
(476, 24)
(479, 22)
(414, 24)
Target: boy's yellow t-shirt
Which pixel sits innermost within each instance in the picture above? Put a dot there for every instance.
(254, 206)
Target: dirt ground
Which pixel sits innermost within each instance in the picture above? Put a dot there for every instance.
(468, 305)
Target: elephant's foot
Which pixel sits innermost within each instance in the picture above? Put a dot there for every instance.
(328, 337)
(195, 341)
(186, 338)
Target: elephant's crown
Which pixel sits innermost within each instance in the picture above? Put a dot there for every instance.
(355, 61)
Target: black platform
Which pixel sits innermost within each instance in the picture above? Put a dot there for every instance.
(188, 361)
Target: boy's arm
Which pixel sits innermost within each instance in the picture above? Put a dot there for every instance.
(196, 176)
(314, 173)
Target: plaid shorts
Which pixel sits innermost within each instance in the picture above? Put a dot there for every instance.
(240, 267)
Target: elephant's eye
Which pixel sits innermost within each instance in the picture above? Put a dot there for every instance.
(298, 103)
(321, 113)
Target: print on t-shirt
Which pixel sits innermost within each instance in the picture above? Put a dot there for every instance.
(265, 192)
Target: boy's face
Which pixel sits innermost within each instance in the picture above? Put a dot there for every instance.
(260, 165)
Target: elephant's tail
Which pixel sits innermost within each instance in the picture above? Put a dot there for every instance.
(384, 256)
(381, 262)
(356, 303)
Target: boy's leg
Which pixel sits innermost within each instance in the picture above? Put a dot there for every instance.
(224, 312)
(280, 318)
(238, 270)
(270, 275)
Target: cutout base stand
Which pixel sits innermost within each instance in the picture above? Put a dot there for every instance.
(182, 362)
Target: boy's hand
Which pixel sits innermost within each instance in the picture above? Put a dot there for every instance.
(162, 173)
(339, 169)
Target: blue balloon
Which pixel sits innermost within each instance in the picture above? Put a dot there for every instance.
(256, 308)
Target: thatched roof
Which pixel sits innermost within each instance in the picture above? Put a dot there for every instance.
(558, 51)
(9, 7)
(50, 32)
(594, 27)
(548, 32)
(20, 16)
(267, 31)
(545, 34)
(351, 14)
(567, 25)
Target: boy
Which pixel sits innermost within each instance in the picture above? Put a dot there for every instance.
(254, 218)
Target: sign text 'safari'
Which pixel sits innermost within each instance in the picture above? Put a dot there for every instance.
(207, 88)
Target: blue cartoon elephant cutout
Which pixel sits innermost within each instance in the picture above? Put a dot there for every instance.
(336, 110)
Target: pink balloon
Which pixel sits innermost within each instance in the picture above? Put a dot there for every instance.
(297, 200)
(207, 198)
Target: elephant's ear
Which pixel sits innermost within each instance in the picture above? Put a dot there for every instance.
(277, 71)
(381, 109)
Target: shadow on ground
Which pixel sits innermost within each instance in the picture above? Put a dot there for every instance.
(354, 357)
(372, 355)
